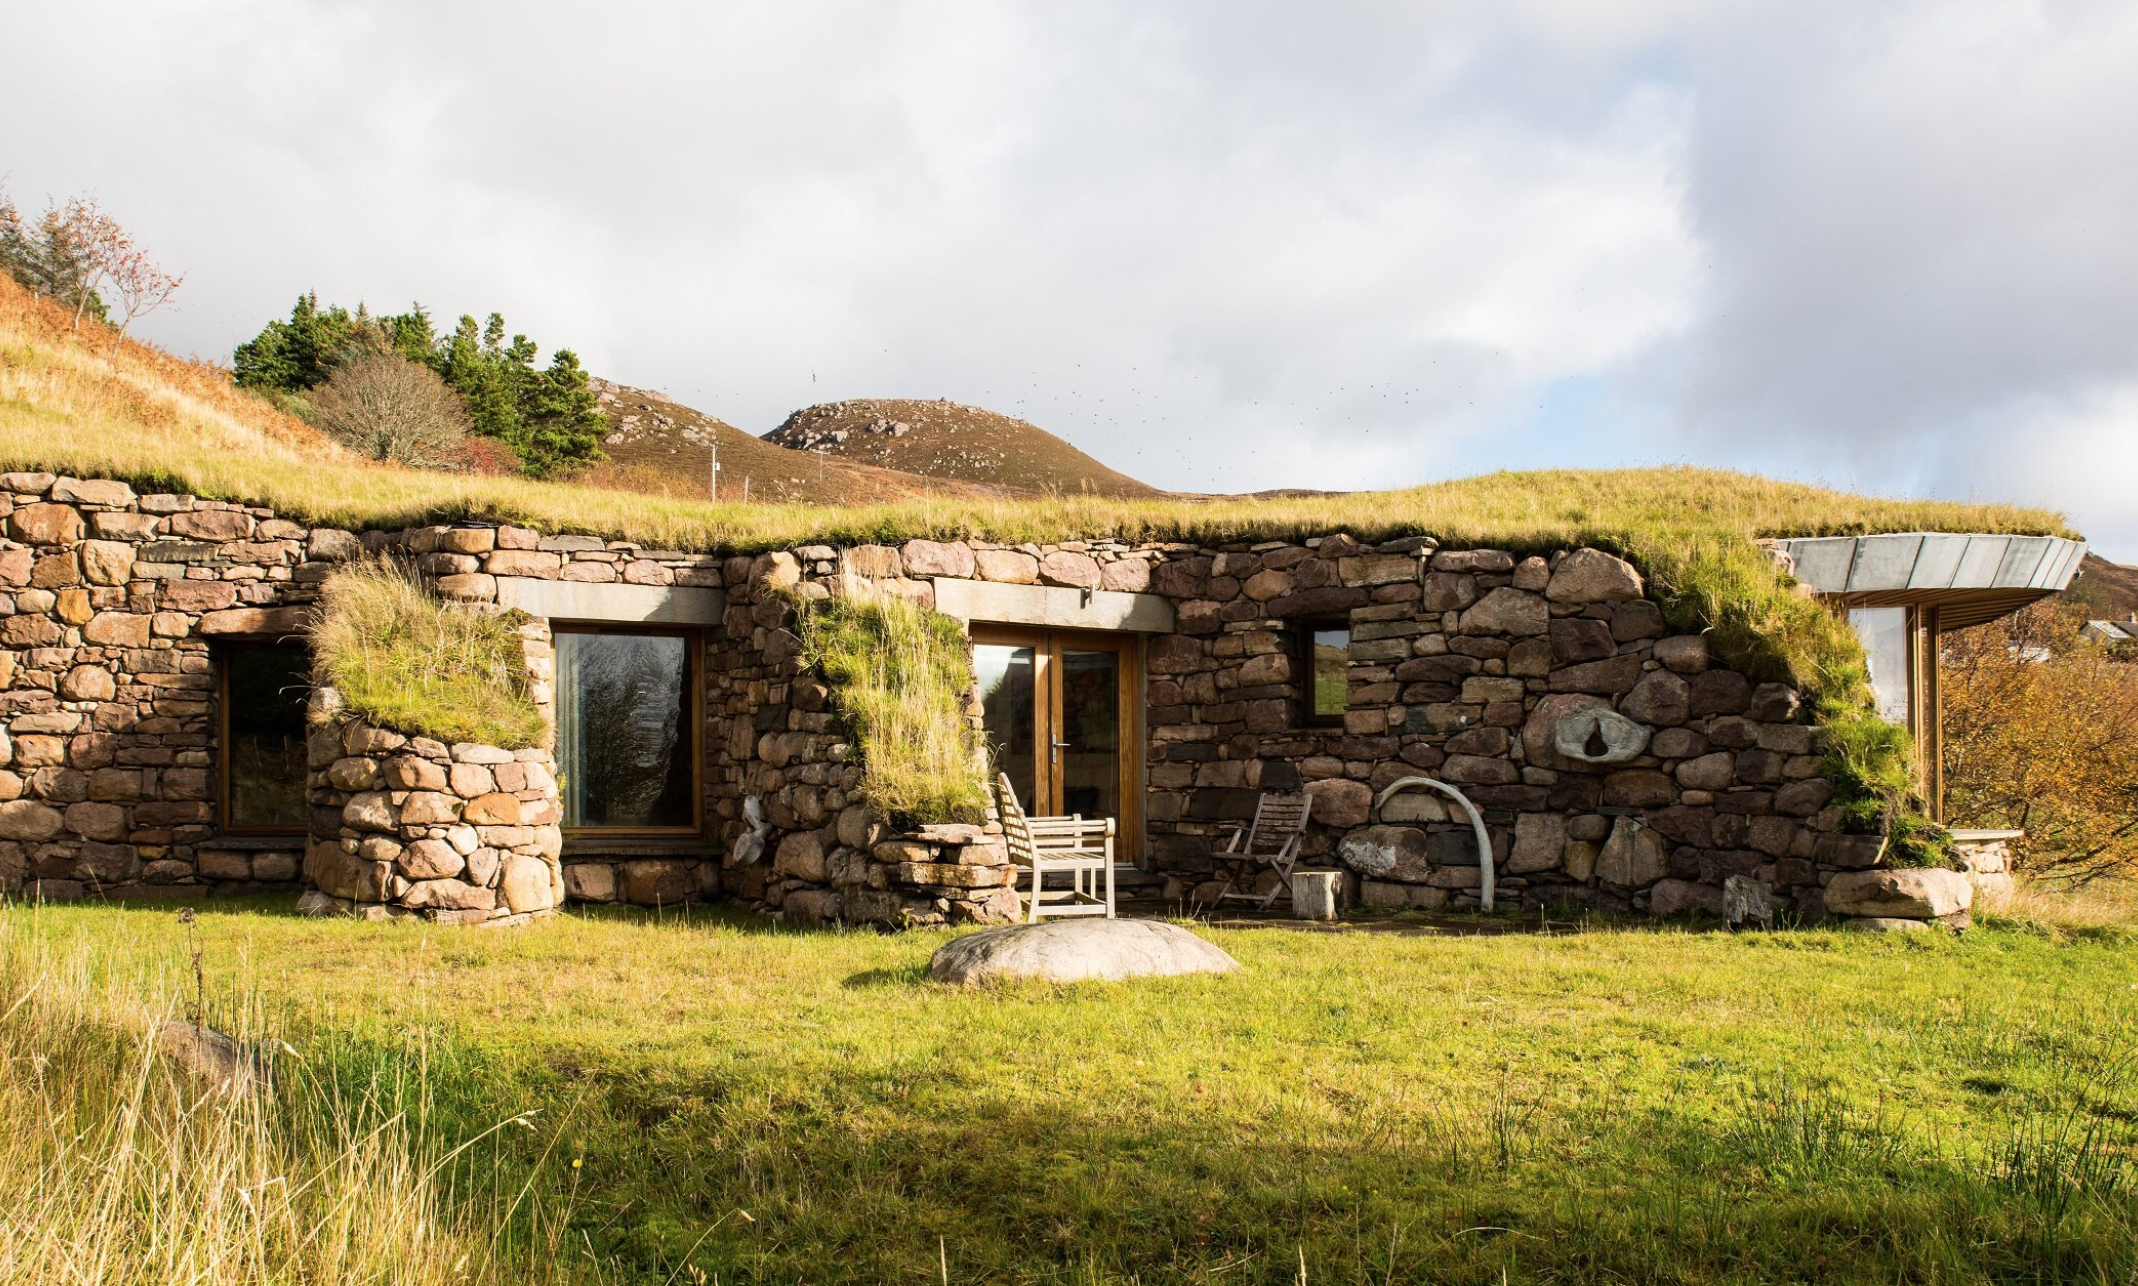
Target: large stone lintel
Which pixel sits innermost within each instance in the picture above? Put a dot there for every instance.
(623, 604)
(1053, 605)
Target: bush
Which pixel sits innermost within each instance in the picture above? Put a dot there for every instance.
(900, 675)
(403, 660)
(388, 408)
(2041, 733)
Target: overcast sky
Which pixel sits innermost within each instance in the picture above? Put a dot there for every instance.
(1222, 246)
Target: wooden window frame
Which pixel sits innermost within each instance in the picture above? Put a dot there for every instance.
(1303, 656)
(694, 687)
(1046, 644)
(219, 657)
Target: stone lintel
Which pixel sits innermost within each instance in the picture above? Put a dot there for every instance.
(623, 604)
(1053, 605)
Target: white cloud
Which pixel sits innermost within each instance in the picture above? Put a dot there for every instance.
(1222, 245)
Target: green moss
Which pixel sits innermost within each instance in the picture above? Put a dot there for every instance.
(403, 660)
(900, 675)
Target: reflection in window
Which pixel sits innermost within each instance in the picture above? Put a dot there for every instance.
(1090, 733)
(1008, 713)
(1884, 631)
(1328, 659)
(624, 723)
(263, 750)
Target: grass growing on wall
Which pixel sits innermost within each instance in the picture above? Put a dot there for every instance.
(404, 660)
(900, 676)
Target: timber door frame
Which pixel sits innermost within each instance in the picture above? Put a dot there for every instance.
(1047, 646)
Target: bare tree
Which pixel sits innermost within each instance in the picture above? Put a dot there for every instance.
(389, 408)
(74, 253)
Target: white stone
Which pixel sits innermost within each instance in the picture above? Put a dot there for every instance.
(1078, 951)
(1904, 893)
(1317, 895)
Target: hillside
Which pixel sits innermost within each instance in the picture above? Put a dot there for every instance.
(2106, 589)
(658, 446)
(943, 439)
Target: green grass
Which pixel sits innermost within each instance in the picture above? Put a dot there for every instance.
(900, 675)
(762, 1104)
(404, 660)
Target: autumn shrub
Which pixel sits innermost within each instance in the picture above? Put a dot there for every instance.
(404, 660)
(385, 407)
(2041, 733)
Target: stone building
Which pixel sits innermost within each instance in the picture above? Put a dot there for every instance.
(154, 686)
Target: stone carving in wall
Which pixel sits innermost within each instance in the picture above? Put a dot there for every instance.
(1599, 736)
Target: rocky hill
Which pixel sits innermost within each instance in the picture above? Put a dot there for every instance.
(2107, 589)
(659, 446)
(943, 439)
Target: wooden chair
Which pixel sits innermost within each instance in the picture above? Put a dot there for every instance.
(1271, 840)
(1080, 847)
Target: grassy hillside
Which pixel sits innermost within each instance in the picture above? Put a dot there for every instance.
(710, 1097)
(943, 439)
(658, 446)
(2106, 589)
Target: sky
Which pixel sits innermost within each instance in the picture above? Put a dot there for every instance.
(1223, 246)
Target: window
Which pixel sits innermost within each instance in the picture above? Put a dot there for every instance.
(263, 758)
(627, 730)
(1325, 659)
(1887, 640)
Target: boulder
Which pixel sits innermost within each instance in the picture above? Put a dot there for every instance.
(1912, 894)
(1387, 852)
(1338, 803)
(1634, 855)
(526, 884)
(1078, 951)
(1593, 576)
(219, 1062)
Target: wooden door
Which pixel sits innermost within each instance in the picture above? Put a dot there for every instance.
(1062, 720)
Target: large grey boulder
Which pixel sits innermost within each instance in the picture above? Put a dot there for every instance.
(1078, 951)
(1905, 894)
(222, 1064)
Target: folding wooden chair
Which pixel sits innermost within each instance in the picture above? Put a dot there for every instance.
(1081, 847)
(1271, 840)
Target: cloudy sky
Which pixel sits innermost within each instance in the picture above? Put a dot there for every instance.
(1223, 246)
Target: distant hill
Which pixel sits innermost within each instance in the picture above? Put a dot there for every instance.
(944, 439)
(659, 446)
(2108, 590)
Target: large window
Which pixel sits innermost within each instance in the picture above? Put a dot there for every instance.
(263, 760)
(1325, 662)
(627, 730)
(1887, 643)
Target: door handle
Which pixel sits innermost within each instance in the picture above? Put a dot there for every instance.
(1060, 746)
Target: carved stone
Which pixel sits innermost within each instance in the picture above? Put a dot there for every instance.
(1599, 736)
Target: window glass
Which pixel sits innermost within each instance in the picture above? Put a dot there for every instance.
(1329, 653)
(1090, 733)
(1009, 711)
(1884, 631)
(263, 755)
(624, 740)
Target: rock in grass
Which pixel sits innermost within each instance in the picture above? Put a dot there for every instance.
(1906, 893)
(1078, 951)
(219, 1062)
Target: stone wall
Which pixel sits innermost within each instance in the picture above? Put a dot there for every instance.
(1616, 763)
(109, 601)
(461, 834)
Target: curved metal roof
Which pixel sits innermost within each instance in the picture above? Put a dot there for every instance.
(1972, 578)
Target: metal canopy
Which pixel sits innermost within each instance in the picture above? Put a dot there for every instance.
(1970, 578)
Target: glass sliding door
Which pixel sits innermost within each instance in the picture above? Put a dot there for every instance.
(627, 730)
(1062, 722)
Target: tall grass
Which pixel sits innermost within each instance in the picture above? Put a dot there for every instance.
(404, 660)
(900, 676)
(121, 1167)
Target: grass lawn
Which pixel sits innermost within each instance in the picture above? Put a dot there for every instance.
(754, 1103)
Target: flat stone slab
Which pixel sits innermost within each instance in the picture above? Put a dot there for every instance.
(1078, 951)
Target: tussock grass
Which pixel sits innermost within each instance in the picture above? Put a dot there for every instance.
(1603, 1106)
(121, 1167)
(404, 660)
(900, 675)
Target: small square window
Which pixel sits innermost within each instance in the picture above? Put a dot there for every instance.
(1325, 663)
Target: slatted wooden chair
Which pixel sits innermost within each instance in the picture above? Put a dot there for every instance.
(1271, 840)
(1080, 847)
